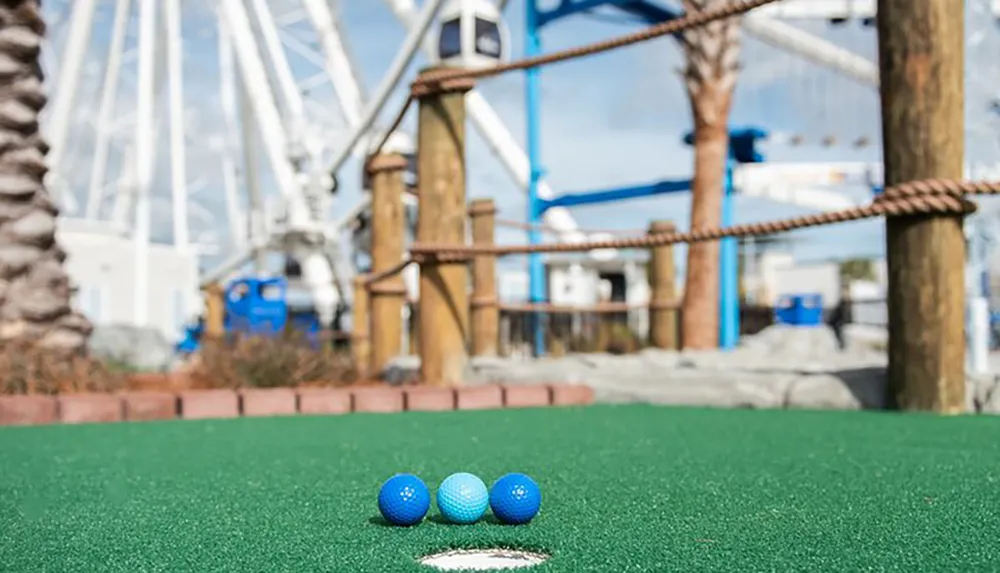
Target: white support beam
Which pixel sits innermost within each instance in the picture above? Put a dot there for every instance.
(812, 48)
(819, 9)
(291, 96)
(178, 159)
(254, 76)
(346, 82)
(830, 9)
(230, 174)
(806, 185)
(70, 67)
(124, 187)
(105, 114)
(145, 143)
(297, 45)
(256, 222)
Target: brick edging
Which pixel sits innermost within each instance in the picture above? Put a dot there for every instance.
(218, 404)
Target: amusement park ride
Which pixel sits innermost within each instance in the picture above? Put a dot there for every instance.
(269, 108)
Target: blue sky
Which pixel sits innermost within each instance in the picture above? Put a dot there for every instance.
(609, 120)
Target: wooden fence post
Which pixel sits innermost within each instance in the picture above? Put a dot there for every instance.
(484, 309)
(388, 222)
(662, 291)
(922, 89)
(360, 341)
(215, 312)
(444, 297)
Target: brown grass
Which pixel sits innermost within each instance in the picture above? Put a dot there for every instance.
(25, 369)
(241, 363)
(259, 362)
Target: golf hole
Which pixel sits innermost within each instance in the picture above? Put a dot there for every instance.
(482, 559)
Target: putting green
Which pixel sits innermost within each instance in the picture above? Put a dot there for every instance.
(625, 488)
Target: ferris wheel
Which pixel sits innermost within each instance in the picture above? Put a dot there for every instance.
(224, 127)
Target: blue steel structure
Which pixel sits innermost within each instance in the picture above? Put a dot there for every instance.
(742, 149)
(256, 307)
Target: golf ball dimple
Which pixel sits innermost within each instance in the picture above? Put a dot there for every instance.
(515, 499)
(404, 499)
(462, 498)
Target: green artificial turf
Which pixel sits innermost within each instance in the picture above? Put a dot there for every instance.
(625, 488)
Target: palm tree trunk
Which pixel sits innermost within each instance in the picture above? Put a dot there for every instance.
(34, 288)
(710, 77)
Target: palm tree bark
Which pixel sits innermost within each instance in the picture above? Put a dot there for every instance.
(712, 53)
(34, 287)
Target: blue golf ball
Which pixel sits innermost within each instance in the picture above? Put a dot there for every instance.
(404, 499)
(462, 498)
(515, 499)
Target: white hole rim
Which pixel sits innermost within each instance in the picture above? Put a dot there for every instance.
(483, 559)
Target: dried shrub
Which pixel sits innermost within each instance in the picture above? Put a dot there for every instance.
(26, 369)
(617, 338)
(269, 362)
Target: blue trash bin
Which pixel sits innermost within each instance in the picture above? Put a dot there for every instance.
(800, 310)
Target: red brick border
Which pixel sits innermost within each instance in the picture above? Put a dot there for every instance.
(527, 395)
(268, 402)
(144, 406)
(572, 395)
(325, 401)
(378, 400)
(205, 404)
(212, 404)
(485, 397)
(84, 408)
(429, 399)
(28, 410)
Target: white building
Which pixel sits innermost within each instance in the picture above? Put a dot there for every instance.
(101, 266)
(580, 280)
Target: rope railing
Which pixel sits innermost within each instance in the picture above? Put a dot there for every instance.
(928, 197)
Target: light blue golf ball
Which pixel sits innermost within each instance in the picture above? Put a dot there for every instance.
(462, 498)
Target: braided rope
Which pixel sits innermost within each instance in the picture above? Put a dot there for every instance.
(927, 197)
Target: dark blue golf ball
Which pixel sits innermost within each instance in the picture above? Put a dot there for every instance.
(515, 499)
(404, 499)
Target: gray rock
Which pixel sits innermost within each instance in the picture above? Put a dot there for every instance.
(141, 348)
(847, 390)
(694, 388)
(781, 367)
(401, 370)
(990, 399)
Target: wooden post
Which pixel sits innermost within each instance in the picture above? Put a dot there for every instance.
(388, 294)
(921, 66)
(444, 298)
(215, 312)
(360, 341)
(484, 309)
(663, 291)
